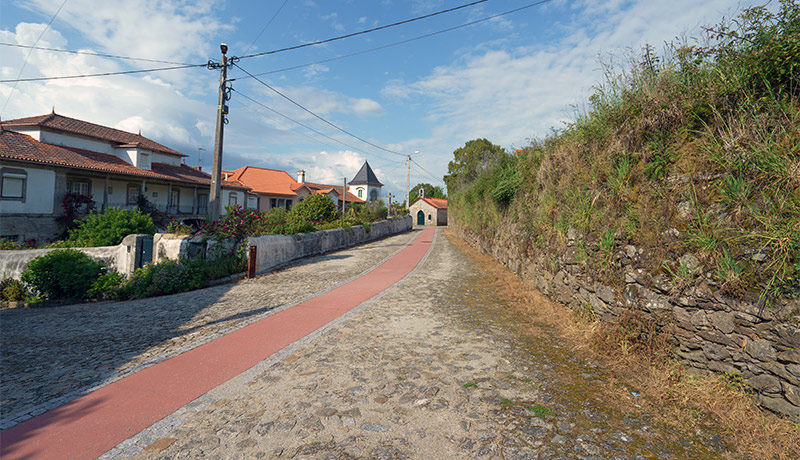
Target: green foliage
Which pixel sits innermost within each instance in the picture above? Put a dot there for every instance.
(178, 227)
(431, 191)
(541, 411)
(314, 208)
(8, 245)
(62, 274)
(105, 286)
(470, 161)
(12, 290)
(110, 227)
(717, 125)
(173, 276)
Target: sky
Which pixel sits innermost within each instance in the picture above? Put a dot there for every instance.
(410, 88)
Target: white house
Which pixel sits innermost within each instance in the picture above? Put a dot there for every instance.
(365, 185)
(45, 157)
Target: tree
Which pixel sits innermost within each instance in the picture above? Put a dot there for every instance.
(431, 191)
(469, 161)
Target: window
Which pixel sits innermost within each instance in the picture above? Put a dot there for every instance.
(175, 204)
(78, 187)
(13, 184)
(233, 199)
(202, 203)
(361, 193)
(429, 217)
(133, 193)
(373, 195)
(288, 205)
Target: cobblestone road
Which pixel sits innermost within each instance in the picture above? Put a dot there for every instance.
(50, 356)
(436, 368)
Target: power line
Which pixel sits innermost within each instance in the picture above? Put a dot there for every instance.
(281, 123)
(266, 25)
(356, 149)
(90, 53)
(426, 172)
(317, 116)
(29, 55)
(105, 74)
(419, 37)
(362, 32)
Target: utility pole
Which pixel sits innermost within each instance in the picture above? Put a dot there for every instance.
(389, 197)
(408, 177)
(214, 201)
(344, 196)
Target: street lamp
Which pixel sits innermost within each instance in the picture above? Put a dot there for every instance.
(408, 177)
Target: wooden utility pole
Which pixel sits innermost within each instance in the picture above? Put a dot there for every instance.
(214, 202)
(344, 196)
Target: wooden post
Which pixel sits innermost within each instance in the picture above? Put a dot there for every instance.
(251, 262)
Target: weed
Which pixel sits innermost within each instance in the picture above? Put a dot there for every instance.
(470, 385)
(506, 402)
(730, 273)
(541, 411)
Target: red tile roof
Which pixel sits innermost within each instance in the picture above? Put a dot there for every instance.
(57, 122)
(21, 147)
(339, 188)
(265, 181)
(438, 203)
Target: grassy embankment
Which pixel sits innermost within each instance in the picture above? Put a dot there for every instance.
(696, 151)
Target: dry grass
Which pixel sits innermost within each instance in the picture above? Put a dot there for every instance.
(638, 355)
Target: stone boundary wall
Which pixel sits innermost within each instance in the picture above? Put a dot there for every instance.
(120, 258)
(711, 332)
(275, 250)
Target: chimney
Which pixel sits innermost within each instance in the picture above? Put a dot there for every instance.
(301, 176)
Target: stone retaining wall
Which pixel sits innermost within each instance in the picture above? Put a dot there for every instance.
(711, 332)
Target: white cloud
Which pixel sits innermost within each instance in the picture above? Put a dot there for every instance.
(510, 94)
(155, 29)
(129, 102)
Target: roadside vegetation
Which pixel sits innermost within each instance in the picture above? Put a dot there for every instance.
(694, 151)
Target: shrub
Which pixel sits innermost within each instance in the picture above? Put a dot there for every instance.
(110, 227)
(105, 287)
(62, 274)
(313, 209)
(8, 244)
(12, 290)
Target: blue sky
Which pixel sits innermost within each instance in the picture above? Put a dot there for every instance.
(508, 79)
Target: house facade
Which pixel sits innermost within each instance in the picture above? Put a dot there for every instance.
(45, 157)
(428, 211)
(365, 185)
(278, 189)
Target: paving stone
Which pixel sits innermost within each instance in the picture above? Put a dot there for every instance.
(386, 380)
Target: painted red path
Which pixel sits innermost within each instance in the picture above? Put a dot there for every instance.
(89, 426)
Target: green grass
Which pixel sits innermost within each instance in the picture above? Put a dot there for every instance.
(541, 411)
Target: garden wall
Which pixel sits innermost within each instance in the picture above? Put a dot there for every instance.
(121, 258)
(711, 332)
